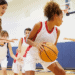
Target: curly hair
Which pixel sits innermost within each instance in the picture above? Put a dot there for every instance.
(50, 9)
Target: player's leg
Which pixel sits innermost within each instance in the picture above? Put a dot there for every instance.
(30, 72)
(30, 65)
(23, 71)
(4, 66)
(23, 74)
(15, 68)
(4, 71)
(56, 68)
(15, 74)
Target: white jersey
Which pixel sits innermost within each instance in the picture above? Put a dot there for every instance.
(32, 55)
(43, 35)
(46, 36)
(3, 51)
(24, 42)
(24, 46)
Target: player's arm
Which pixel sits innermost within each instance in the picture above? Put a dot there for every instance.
(11, 52)
(32, 34)
(19, 46)
(7, 40)
(58, 33)
(69, 39)
(19, 59)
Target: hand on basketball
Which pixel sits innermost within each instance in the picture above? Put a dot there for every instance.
(40, 46)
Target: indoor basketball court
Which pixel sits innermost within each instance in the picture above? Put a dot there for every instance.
(25, 12)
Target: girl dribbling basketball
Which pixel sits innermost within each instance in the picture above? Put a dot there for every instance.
(44, 32)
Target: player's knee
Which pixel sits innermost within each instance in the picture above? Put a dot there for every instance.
(63, 72)
(4, 69)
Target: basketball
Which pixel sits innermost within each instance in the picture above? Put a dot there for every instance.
(50, 52)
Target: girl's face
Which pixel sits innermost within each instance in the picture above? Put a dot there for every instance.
(59, 20)
(27, 33)
(5, 36)
(3, 9)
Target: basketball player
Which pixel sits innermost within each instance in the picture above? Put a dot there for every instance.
(3, 52)
(20, 52)
(3, 7)
(44, 32)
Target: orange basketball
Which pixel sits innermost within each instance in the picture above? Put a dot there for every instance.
(50, 52)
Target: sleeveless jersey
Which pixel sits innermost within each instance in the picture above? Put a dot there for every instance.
(43, 35)
(24, 45)
(3, 51)
(24, 42)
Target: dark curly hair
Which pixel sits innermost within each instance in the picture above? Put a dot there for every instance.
(50, 9)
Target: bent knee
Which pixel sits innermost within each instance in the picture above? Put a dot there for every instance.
(63, 72)
(3, 69)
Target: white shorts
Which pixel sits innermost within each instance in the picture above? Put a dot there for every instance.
(32, 58)
(16, 67)
(3, 62)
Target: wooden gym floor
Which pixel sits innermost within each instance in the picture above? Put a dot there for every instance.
(68, 72)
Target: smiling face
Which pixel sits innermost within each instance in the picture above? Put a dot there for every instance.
(3, 9)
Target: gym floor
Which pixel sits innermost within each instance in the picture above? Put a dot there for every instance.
(68, 72)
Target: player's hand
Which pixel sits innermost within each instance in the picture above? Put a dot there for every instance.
(40, 47)
(18, 50)
(20, 59)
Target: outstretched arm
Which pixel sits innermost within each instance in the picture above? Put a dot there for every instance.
(11, 52)
(7, 40)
